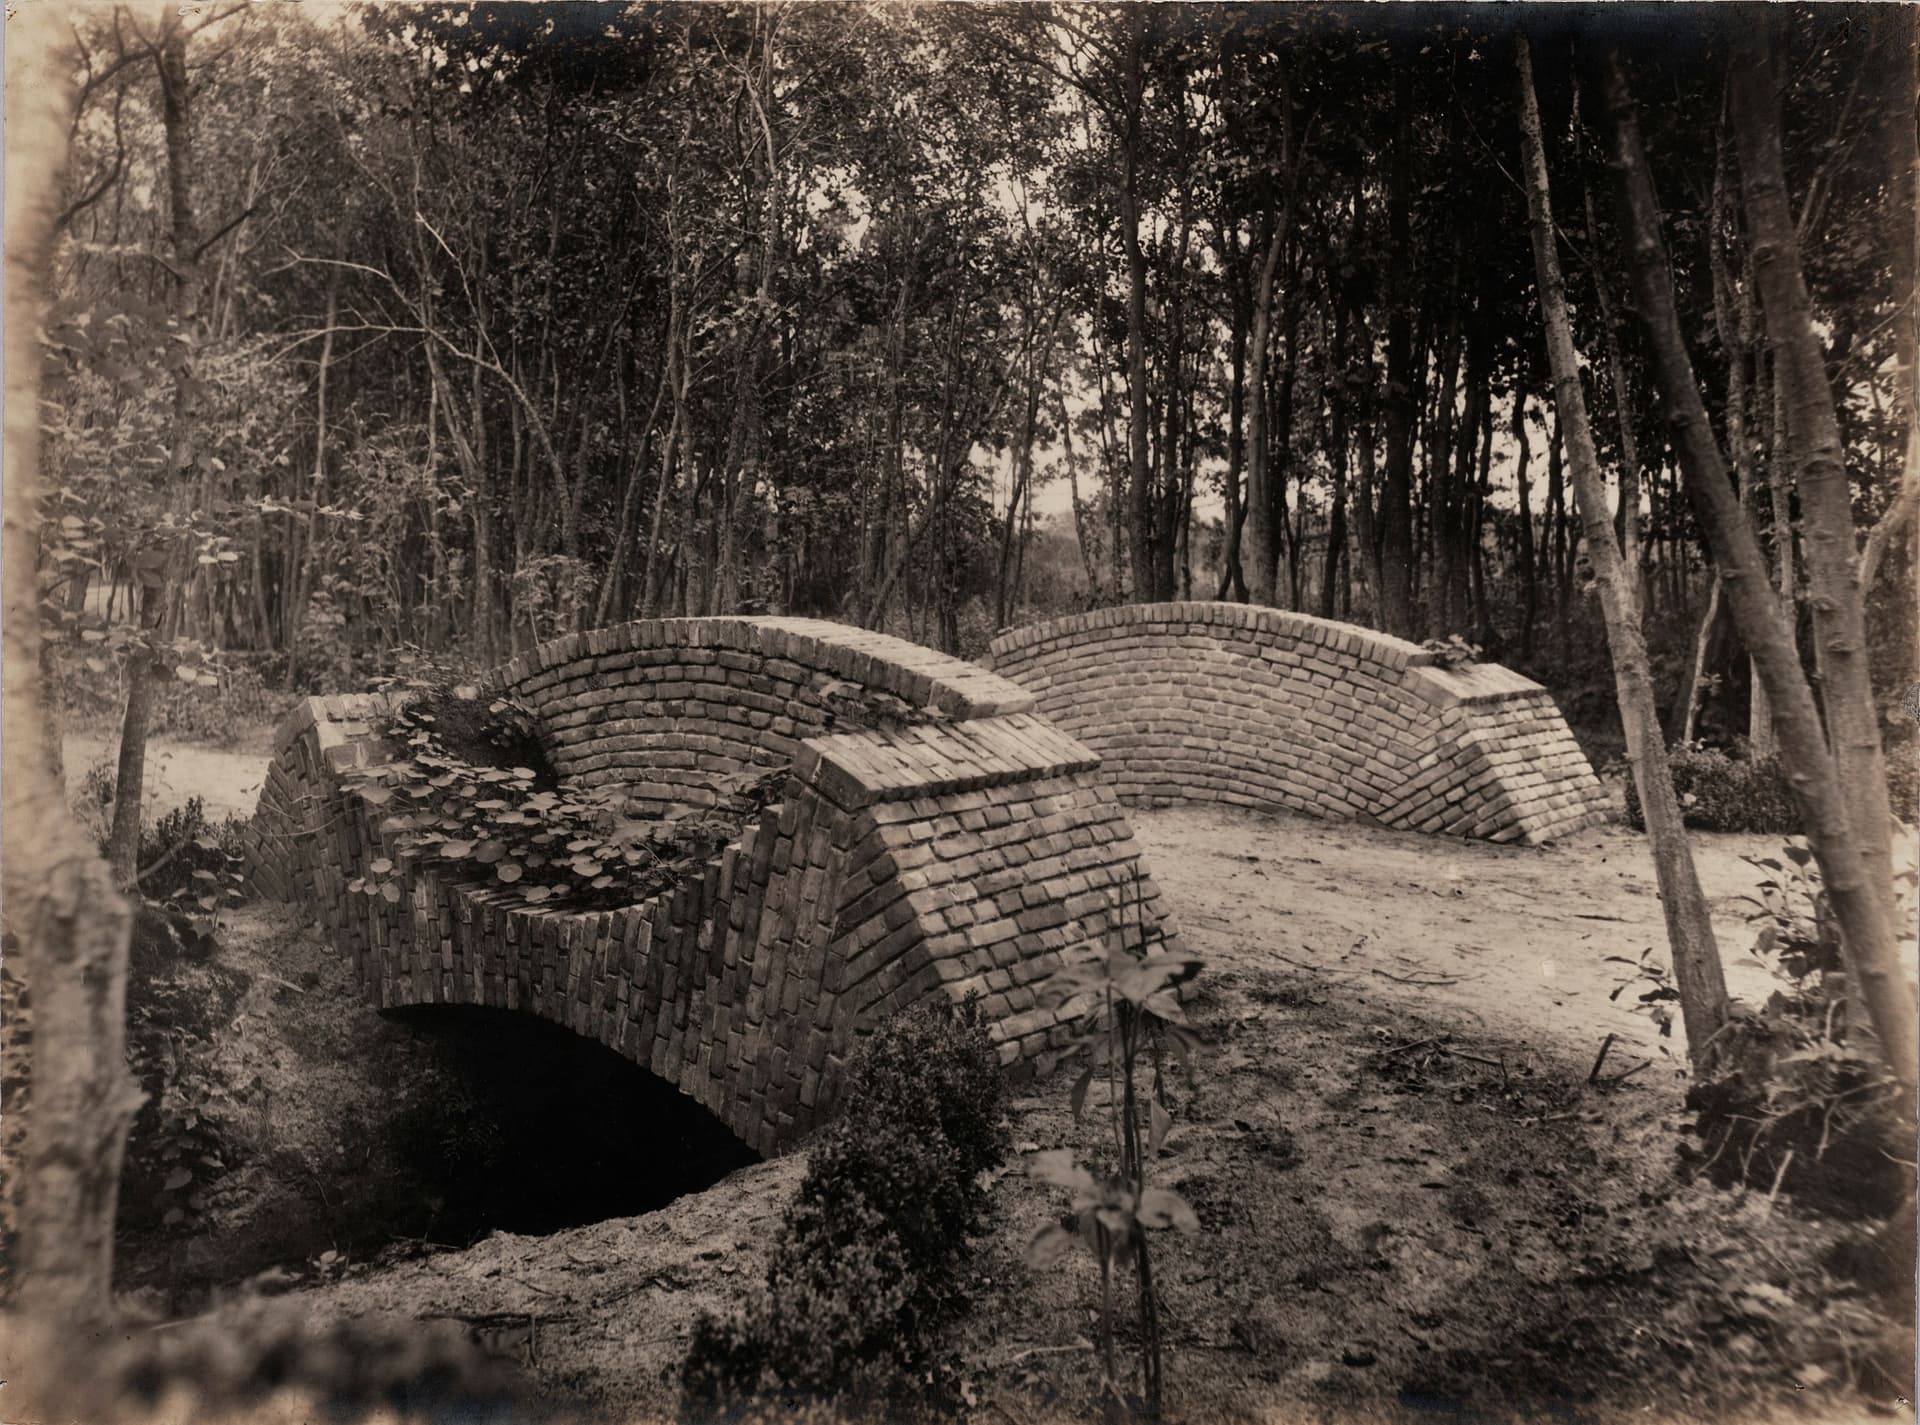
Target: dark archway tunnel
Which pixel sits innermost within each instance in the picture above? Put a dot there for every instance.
(531, 1128)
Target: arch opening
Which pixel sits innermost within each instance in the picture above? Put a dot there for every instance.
(530, 1128)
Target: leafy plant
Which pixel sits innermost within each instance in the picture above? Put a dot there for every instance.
(1128, 1016)
(866, 1274)
(1801, 1101)
(461, 801)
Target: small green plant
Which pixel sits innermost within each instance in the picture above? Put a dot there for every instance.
(866, 1274)
(1126, 1018)
(474, 796)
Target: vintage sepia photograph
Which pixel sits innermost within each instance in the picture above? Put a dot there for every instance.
(836, 712)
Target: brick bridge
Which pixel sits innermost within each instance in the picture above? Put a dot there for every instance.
(964, 854)
(1269, 710)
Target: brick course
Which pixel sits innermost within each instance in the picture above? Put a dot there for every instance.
(962, 855)
(1276, 711)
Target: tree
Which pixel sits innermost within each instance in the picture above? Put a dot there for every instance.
(1810, 769)
(63, 908)
(1696, 956)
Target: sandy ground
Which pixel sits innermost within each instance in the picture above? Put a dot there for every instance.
(1511, 939)
(228, 783)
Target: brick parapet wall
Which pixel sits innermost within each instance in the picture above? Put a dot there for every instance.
(967, 855)
(1271, 710)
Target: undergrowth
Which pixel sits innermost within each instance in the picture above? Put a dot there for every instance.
(1719, 792)
(474, 796)
(1799, 1097)
(866, 1275)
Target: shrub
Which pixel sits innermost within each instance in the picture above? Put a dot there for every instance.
(1721, 793)
(867, 1271)
(1797, 1098)
(187, 860)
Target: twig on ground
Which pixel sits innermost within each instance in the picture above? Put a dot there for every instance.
(1422, 981)
(1403, 1048)
(1593, 1074)
(1611, 1079)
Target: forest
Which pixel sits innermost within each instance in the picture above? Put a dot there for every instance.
(377, 344)
(439, 331)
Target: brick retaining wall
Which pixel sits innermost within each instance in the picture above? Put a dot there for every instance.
(960, 855)
(1270, 710)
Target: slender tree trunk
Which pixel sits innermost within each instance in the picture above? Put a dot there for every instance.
(1867, 931)
(1529, 576)
(1696, 957)
(1395, 514)
(1259, 553)
(1232, 580)
(143, 669)
(1366, 529)
(1733, 321)
(1140, 470)
(62, 905)
(1680, 721)
(1073, 493)
(1337, 455)
(1560, 564)
(1833, 578)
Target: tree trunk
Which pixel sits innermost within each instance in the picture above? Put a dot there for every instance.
(1140, 470)
(1696, 957)
(1867, 933)
(1680, 721)
(62, 907)
(1826, 501)
(143, 670)
(1395, 512)
(1073, 493)
(1259, 553)
(1232, 580)
(1529, 576)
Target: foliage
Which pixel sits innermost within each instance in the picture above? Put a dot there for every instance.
(1128, 1015)
(462, 801)
(1453, 651)
(1719, 792)
(1799, 1100)
(178, 997)
(867, 1272)
(187, 862)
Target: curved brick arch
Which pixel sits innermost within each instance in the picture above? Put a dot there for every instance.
(1270, 710)
(962, 855)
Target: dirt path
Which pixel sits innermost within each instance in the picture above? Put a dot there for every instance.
(1511, 939)
(227, 782)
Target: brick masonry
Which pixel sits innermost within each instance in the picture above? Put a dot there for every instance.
(966, 854)
(1276, 711)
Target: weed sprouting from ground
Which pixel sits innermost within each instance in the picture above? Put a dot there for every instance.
(1127, 1016)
